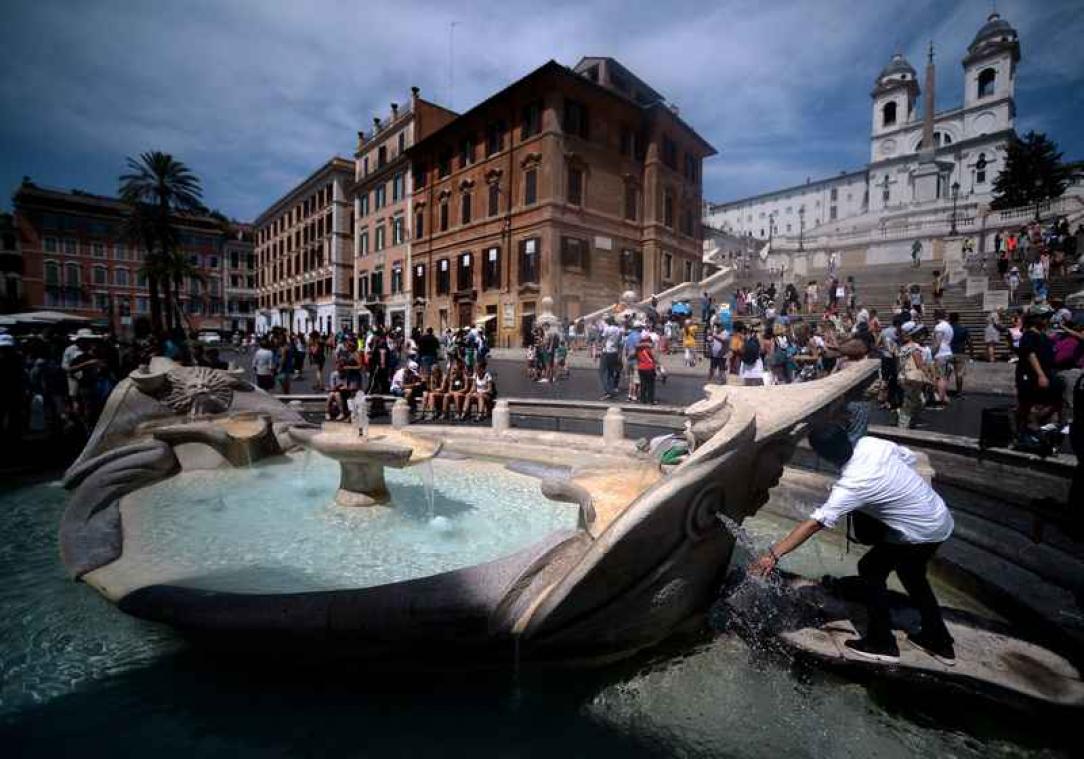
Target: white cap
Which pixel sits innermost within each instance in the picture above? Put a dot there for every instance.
(6, 341)
(909, 327)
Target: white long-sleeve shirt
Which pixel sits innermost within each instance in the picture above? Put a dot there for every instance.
(880, 480)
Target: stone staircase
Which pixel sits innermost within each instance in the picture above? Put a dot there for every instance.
(877, 287)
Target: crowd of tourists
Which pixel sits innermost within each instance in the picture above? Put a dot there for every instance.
(441, 377)
(55, 382)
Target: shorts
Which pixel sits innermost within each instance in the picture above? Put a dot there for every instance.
(943, 366)
(265, 381)
(959, 365)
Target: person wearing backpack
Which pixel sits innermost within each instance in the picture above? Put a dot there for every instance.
(878, 481)
(751, 370)
(911, 368)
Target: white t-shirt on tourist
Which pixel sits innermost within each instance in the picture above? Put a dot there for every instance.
(880, 480)
(942, 337)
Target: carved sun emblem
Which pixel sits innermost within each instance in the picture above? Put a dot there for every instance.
(198, 389)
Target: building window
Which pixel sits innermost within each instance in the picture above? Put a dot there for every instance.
(52, 273)
(466, 153)
(888, 114)
(419, 223)
(397, 187)
(688, 271)
(444, 215)
(575, 185)
(71, 247)
(397, 230)
(834, 195)
(987, 82)
(574, 254)
(465, 208)
(667, 266)
(444, 163)
(142, 305)
(630, 201)
(528, 261)
(376, 283)
(120, 277)
(100, 275)
(443, 277)
(418, 285)
(687, 222)
(632, 265)
(402, 142)
(491, 269)
(530, 187)
(419, 177)
(575, 120)
(691, 169)
(396, 279)
(464, 274)
(363, 242)
(73, 277)
(980, 169)
(669, 152)
(50, 245)
(380, 198)
(530, 120)
(97, 250)
(668, 209)
(494, 137)
(494, 199)
(378, 242)
(381, 156)
(832, 212)
(363, 207)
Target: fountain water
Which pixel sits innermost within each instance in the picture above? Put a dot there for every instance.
(425, 474)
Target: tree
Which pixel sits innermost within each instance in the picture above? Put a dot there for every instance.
(1033, 173)
(157, 187)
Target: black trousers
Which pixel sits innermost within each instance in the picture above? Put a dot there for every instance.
(647, 385)
(908, 561)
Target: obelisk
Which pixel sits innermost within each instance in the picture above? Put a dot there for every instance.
(927, 173)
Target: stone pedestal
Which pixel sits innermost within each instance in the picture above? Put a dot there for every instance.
(613, 425)
(400, 414)
(502, 417)
(361, 483)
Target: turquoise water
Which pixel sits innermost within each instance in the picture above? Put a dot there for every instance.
(276, 528)
(79, 677)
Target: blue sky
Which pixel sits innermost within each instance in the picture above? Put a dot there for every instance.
(254, 94)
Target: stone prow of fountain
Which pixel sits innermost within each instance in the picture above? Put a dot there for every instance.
(614, 585)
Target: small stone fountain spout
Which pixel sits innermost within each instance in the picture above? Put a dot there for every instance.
(362, 461)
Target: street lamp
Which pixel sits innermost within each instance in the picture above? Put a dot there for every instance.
(955, 195)
(771, 228)
(801, 228)
(1038, 196)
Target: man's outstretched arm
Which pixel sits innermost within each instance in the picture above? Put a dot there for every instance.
(800, 534)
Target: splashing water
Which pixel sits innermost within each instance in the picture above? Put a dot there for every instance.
(425, 474)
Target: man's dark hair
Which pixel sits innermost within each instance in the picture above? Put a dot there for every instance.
(830, 442)
(953, 318)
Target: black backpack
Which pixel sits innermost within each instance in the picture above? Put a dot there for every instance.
(750, 351)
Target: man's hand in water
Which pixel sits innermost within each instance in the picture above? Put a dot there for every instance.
(763, 565)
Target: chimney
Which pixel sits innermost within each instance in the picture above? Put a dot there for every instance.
(414, 92)
(376, 124)
(395, 110)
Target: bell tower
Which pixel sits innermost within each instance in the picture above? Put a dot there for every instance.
(990, 76)
(894, 94)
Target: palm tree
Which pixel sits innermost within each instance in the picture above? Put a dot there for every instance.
(139, 229)
(177, 269)
(163, 186)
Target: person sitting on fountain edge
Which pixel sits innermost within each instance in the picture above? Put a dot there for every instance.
(878, 479)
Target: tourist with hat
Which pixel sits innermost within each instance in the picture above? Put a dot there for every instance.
(911, 368)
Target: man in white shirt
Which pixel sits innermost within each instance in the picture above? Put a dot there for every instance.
(263, 366)
(610, 364)
(942, 355)
(879, 481)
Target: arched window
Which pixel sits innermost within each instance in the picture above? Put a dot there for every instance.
(987, 79)
(52, 273)
(120, 276)
(100, 275)
(980, 169)
(888, 114)
(72, 275)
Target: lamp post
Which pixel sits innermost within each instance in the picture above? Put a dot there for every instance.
(801, 228)
(955, 195)
(771, 228)
(1038, 196)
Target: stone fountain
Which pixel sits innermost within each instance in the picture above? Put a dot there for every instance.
(362, 458)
